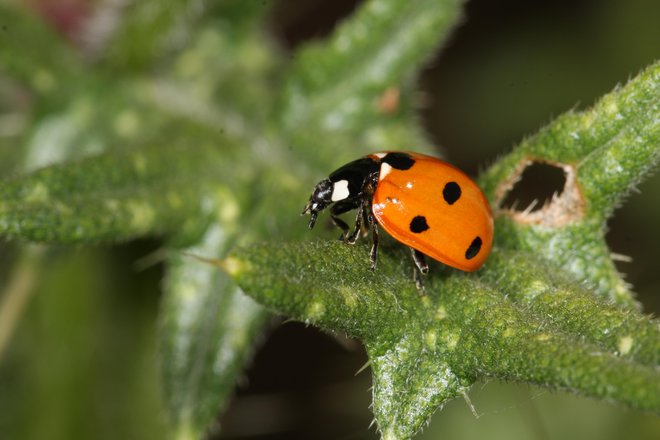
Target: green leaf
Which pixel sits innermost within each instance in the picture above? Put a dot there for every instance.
(207, 89)
(204, 153)
(146, 31)
(425, 350)
(42, 60)
(526, 279)
(604, 152)
(111, 197)
(610, 147)
(149, 31)
(334, 86)
(523, 318)
(208, 328)
(403, 401)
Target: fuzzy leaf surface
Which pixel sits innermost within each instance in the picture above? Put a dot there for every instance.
(605, 151)
(334, 86)
(534, 321)
(425, 350)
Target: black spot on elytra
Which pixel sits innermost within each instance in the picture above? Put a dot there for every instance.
(418, 224)
(451, 192)
(474, 248)
(399, 161)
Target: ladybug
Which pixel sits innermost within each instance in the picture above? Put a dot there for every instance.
(421, 201)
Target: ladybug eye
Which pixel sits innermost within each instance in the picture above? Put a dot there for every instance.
(321, 197)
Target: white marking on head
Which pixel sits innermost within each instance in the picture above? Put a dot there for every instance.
(340, 191)
(380, 155)
(384, 170)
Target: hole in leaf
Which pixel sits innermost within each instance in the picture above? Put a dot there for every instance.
(537, 185)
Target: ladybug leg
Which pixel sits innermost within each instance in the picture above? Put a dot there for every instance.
(341, 224)
(422, 268)
(359, 219)
(339, 209)
(366, 224)
(373, 256)
(420, 261)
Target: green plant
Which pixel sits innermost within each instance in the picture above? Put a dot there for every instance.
(196, 157)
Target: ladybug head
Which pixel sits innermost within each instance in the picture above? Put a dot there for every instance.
(319, 200)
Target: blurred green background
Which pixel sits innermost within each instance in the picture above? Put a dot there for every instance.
(82, 361)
